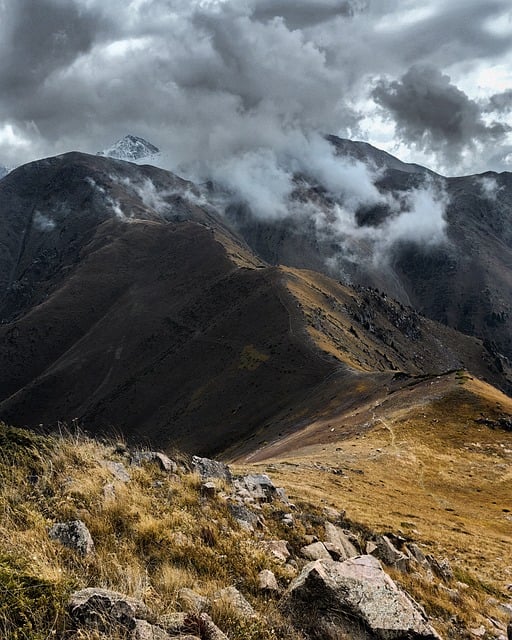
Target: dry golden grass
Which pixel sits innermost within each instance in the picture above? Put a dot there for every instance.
(153, 536)
(421, 466)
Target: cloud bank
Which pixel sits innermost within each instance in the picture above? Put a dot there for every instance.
(212, 79)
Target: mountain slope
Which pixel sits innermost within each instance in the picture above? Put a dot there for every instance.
(128, 303)
(461, 277)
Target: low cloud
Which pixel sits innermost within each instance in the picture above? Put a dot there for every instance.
(43, 222)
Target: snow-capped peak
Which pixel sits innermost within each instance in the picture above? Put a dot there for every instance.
(130, 148)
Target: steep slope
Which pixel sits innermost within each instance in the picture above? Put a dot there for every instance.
(462, 279)
(128, 303)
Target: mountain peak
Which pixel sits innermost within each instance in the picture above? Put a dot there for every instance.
(130, 148)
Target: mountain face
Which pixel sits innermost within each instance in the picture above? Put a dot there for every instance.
(130, 148)
(462, 279)
(127, 302)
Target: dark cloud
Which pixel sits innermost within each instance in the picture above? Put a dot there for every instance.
(299, 15)
(213, 78)
(39, 37)
(500, 101)
(433, 114)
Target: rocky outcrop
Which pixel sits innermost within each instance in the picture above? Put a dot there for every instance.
(338, 543)
(211, 469)
(163, 461)
(356, 599)
(74, 535)
(105, 610)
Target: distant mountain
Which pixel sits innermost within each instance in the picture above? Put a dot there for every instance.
(127, 301)
(130, 148)
(464, 282)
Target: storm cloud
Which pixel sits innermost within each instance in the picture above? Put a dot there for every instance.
(435, 115)
(209, 80)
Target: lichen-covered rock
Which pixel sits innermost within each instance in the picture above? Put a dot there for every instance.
(74, 535)
(356, 599)
(105, 610)
(209, 469)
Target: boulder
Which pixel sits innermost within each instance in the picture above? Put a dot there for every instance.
(163, 461)
(211, 469)
(341, 545)
(117, 469)
(355, 599)
(74, 535)
(231, 597)
(208, 489)
(143, 630)
(314, 551)
(387, 552)
(267, 581)
(192, 602)
(277, 548)
(260, 487)
(104, 610)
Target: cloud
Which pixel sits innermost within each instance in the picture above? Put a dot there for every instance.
(43, 222)
(214, 80)
(433, 114)
(500, 102)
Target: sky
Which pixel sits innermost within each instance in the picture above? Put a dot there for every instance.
(208, 80)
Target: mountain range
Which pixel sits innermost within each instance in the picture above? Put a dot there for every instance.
(134, 300)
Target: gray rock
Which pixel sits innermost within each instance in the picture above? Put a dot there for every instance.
(208, 490)
(442, 568)
(315, 551)
(389, 554)
(117, 469)
(417, 553)
(231, 597)
(246, 518)
(277, 548)
(74, 535)
(260, 487)
(103, 609)
(209, 469)
(267, 581)
(143, 630)
(210, 630)
(192, 602)
(354, 599)
(163, 461)
(341, 545)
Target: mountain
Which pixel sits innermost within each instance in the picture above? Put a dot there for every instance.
(3, 171)
(463, 279)
(128, 302)
(130, 148)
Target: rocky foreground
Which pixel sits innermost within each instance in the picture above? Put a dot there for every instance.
(108, 542)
